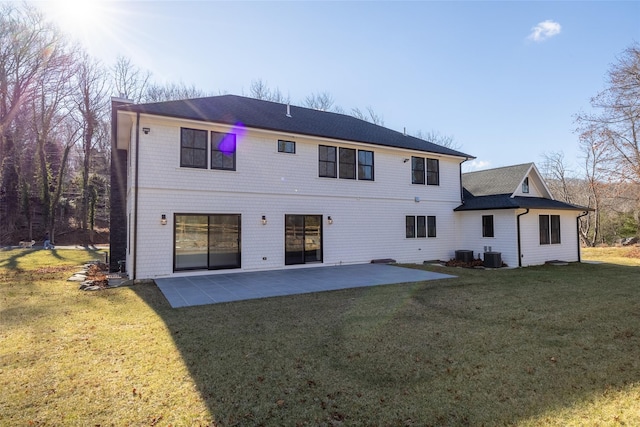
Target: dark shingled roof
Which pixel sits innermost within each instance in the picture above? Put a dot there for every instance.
(255, 113)
(505, 201)
(495, 181)
(492, 189)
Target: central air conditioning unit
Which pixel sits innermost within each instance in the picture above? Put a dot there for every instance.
(493, 259)
(464, 255)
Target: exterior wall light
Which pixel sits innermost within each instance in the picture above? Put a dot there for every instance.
(264, 220)
(329, 220)
(146, 131)
(163, 219)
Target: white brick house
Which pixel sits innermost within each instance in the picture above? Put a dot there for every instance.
(227, 182)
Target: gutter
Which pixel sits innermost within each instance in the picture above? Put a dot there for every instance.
(578, 232)
(519, 240)
(135, 202)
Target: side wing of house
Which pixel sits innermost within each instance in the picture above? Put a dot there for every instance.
(489, 231)
(517, 217)
(549, 235)
(208, 197)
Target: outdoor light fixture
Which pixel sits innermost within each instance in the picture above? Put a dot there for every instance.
(264, 220)
(146, 131)
(330, 220)
(163, 219)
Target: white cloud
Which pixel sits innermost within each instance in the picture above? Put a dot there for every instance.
(544, 30)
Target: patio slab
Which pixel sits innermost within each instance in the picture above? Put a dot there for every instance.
(227, 287)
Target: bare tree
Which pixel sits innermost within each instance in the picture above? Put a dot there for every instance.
(617, 117)
(322, 101)
(171, 92)
(26, 43)
(260, 89)
(596, 154)
(369, 116)
(49, 110)
(129, 81)
(91, 107)
(557, 175)
(440, 139)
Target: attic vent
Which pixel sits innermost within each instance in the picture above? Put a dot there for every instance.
(288, 110)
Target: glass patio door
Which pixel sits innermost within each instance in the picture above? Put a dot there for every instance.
(204, 242)
(224, 241)
(303, 239)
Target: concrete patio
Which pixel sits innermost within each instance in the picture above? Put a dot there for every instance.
(227, 287)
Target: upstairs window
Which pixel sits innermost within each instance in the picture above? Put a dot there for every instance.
(327, 167)
(417, 170)
(286, 147)
(433, 172)
(347, 163)
(193, 148)
(487, 226)
(525, 185)
(223, 151)
(365, 165)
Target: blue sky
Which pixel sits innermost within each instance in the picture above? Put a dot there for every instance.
(471, 70)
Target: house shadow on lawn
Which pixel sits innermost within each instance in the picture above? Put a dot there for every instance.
(542, 345)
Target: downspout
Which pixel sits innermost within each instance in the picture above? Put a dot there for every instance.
(135, 202)
(578, 232)
(519, 242)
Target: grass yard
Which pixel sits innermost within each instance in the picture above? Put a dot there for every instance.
(549, 345)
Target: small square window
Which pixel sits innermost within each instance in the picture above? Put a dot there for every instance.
(223, 151)
(193, 148)
(286, 147)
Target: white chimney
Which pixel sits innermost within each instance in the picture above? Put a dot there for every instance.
(288, 110)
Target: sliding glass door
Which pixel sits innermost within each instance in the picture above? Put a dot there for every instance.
(207, 242)
(303, 239)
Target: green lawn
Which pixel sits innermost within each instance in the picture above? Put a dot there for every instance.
(551, 345)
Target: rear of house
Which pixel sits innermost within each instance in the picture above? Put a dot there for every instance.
(236, 183)
(224, 183)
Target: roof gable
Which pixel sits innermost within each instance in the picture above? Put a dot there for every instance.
(255, 113)
(503, 180)
(501, 188)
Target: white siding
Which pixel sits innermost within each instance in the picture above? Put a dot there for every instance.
(533, 253)
(369, 217)
(505, 238)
